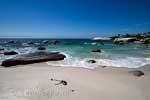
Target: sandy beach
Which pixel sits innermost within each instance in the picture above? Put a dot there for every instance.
(33, 82)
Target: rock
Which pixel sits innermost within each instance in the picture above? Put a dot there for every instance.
(1, 49)
(137, 42)
(41, 48)
(33, 58)
(137, 73)
(54, 42)
(30, 43)
(124, 40)
(11, 41)
(91, 61)
(96, 50)
(146, 41)
(10, 53)
(45, 42)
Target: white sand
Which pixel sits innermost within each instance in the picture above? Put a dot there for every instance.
(32, 82)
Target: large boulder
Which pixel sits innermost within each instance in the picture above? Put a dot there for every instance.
(33, 58)
(10, 53)
(96, 50)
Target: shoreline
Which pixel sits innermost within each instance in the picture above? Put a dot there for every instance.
(25, 82)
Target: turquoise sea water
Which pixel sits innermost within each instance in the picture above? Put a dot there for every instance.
(78, 51)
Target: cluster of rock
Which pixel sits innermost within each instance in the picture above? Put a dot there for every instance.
(31, 43)
(33, 58)
(143, 38)
(94, 51)
(52, 42)
(45, 42)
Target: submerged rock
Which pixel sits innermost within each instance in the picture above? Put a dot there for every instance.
(137, 73)
(11, 41)
(41, 48)
(10, 53)
(1, 49)
(30, 43)
(45, 41)
(146, 41)
(91, 61)
(54, 42)
(33, 58)
(96, 50)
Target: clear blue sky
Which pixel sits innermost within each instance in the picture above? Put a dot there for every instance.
(72, 18)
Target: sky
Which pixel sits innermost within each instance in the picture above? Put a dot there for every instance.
(72, 18)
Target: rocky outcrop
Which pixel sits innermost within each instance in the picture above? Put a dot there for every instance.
(96, 50)
(10, 53)
(33, 58)
(137, 73)
(142, 38)
(124, 40)
(146, 41)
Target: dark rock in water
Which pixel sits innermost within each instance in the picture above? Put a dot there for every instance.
(10, 53)
(137, 73)
(54, 42)
(96, 50)
(30, 43)
(1, 49)
(33, 58)
(11, 41)
(91, 61)
(41, 48)
(45, 42)
(146, 41)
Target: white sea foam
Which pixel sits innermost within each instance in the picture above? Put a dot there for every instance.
(129, 62)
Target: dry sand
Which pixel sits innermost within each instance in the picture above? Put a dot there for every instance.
(32, 82)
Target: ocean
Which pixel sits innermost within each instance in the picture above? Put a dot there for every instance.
(78, 51)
